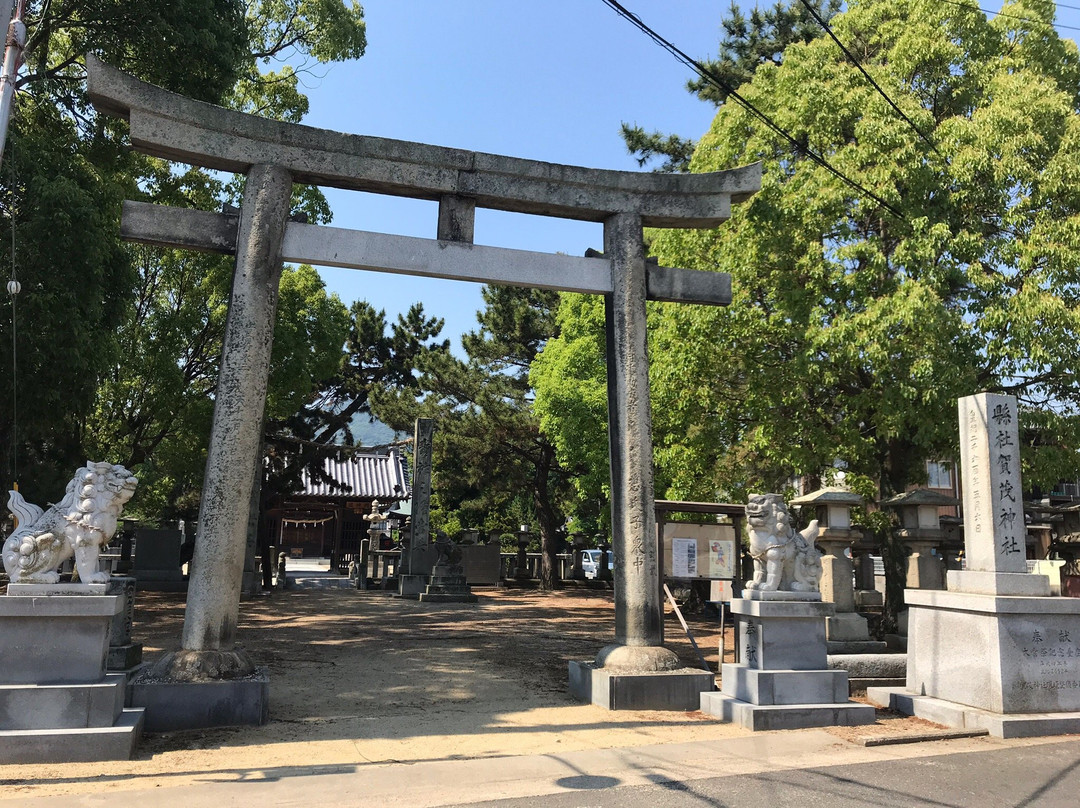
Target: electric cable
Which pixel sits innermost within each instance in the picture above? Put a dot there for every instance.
(710, 76)
(13, 288)
(851, 57)
(1017, 16)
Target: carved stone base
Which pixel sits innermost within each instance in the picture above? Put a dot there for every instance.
(202, 666)
(637, 659)
(679, 689)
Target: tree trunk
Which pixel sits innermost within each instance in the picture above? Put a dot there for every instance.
(546, 516)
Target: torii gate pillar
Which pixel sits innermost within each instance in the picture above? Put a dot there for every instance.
(638, 611)
(208, 647)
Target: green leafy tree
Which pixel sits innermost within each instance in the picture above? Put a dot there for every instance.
(749, 42)
(94, 309)
(852, 330)
(60, 190)
(492, 462)
(379, 357)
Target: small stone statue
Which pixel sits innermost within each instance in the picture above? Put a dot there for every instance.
(784, 561)
(80, 525)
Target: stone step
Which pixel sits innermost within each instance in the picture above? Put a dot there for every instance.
(65, 706)
(784, 686)
(73, 745)
(760, 717)
(447, 597)
(856, 647)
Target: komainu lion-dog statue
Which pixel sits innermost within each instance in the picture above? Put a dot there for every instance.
(80, 525)
(784, 561)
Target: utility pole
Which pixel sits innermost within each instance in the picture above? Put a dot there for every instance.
(13, 53)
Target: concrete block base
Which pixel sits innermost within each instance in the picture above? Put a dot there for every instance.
(174, 706)
(62, 706)
(116, 742)
(662, 690)
(784, 686)
(411, 586)
(761, 717)
(124, 657)
(961, 716)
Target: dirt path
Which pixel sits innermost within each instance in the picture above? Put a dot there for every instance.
(359, 678)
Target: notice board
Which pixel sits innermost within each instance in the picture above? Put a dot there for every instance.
(695, 551)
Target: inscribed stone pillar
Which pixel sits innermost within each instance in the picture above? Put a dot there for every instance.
(638, 609)
(994, 531)
(420, 535)
(214, 587)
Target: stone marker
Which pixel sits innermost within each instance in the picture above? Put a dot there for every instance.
(994, 530)
(416, 559)
(158, 560)
(995, 651)
(124, 655)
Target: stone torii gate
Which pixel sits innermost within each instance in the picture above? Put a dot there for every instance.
(274, 155)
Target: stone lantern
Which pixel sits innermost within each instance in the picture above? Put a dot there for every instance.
(578, 542)
(521, 572)
(921, 532)
(846, 631)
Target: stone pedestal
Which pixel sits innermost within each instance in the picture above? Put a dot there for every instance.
(846, 631)
(447, 585)
(171, 706)
(783, 680)
(57, 703)
(679, 689)
(1010, 665)
(867, 595)
(157, 565)
(925, 569)
(422, 563)
(124, 656)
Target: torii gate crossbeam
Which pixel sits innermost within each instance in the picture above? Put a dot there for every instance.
(274, 155)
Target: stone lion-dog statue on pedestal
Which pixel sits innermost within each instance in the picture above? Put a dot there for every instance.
(80, 525)
(784, 561)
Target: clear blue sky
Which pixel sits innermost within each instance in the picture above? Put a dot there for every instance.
(545, 80)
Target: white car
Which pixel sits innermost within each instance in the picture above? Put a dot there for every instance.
(590, 562)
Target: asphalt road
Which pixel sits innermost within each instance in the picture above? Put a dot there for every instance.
(1046, 776)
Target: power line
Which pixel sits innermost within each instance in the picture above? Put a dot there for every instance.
(869, 78)
(1017, 16)
(710, 76)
